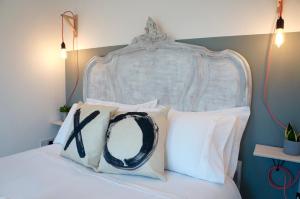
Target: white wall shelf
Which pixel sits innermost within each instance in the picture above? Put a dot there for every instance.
(57, 123)
(274, 153)
(277, 155)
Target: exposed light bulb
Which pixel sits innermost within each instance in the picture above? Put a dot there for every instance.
(63, 51)
(63, 54)
(279, 37)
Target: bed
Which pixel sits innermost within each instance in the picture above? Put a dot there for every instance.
(44, 174)
(186, 77)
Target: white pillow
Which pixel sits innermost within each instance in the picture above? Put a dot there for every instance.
(232, 147)
(64, 129)
(231, 150)
(123, 107)
(195, 146)
(157, 108)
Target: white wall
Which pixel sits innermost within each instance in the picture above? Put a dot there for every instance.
(31, 72)
(112, 22)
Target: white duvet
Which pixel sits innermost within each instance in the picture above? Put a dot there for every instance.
(43, 174)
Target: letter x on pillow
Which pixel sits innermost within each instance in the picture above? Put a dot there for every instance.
(76, 133)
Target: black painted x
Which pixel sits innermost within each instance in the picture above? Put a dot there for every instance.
(76, 133)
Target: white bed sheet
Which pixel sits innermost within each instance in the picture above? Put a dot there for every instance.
(43, 174)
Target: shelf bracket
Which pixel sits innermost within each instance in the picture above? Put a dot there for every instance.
(278, 163)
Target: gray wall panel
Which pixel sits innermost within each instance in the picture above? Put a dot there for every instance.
(284, 97)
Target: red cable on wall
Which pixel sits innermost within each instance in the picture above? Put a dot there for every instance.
(265, 95)
(286, 172)
(267, 73)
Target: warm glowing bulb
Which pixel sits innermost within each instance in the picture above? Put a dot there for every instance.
(63, 53)
(279, 38)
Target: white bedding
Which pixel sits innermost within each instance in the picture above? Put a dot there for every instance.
(43, 174)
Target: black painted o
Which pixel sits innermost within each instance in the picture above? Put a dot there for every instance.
(150, 138)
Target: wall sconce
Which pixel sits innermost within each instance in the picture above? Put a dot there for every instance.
(279, 33)
(72, 20)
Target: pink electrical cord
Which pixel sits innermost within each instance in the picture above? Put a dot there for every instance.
(75, 54)
(267, 73)
(287, 175)
(77, 71)
(269, 58)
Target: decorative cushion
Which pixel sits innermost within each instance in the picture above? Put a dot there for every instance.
(86, 137)
(63, 132)
(135, 144)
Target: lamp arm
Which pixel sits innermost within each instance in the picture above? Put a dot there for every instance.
(72, 20)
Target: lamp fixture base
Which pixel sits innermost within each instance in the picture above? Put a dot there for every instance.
(73, 22)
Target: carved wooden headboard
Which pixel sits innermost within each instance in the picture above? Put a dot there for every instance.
(186, 77)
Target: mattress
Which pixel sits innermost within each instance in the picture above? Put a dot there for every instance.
(43, 174)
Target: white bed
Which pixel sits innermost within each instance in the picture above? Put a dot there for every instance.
(186, 77)
(43, 174)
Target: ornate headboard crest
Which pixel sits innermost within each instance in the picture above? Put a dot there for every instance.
(153, 34)
(187, 77)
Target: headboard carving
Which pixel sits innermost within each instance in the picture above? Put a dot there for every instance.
(186, 77)
(153, 34)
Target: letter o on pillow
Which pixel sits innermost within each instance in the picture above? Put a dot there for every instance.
(150, 138)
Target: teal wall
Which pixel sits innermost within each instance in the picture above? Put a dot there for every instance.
(284, 98)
